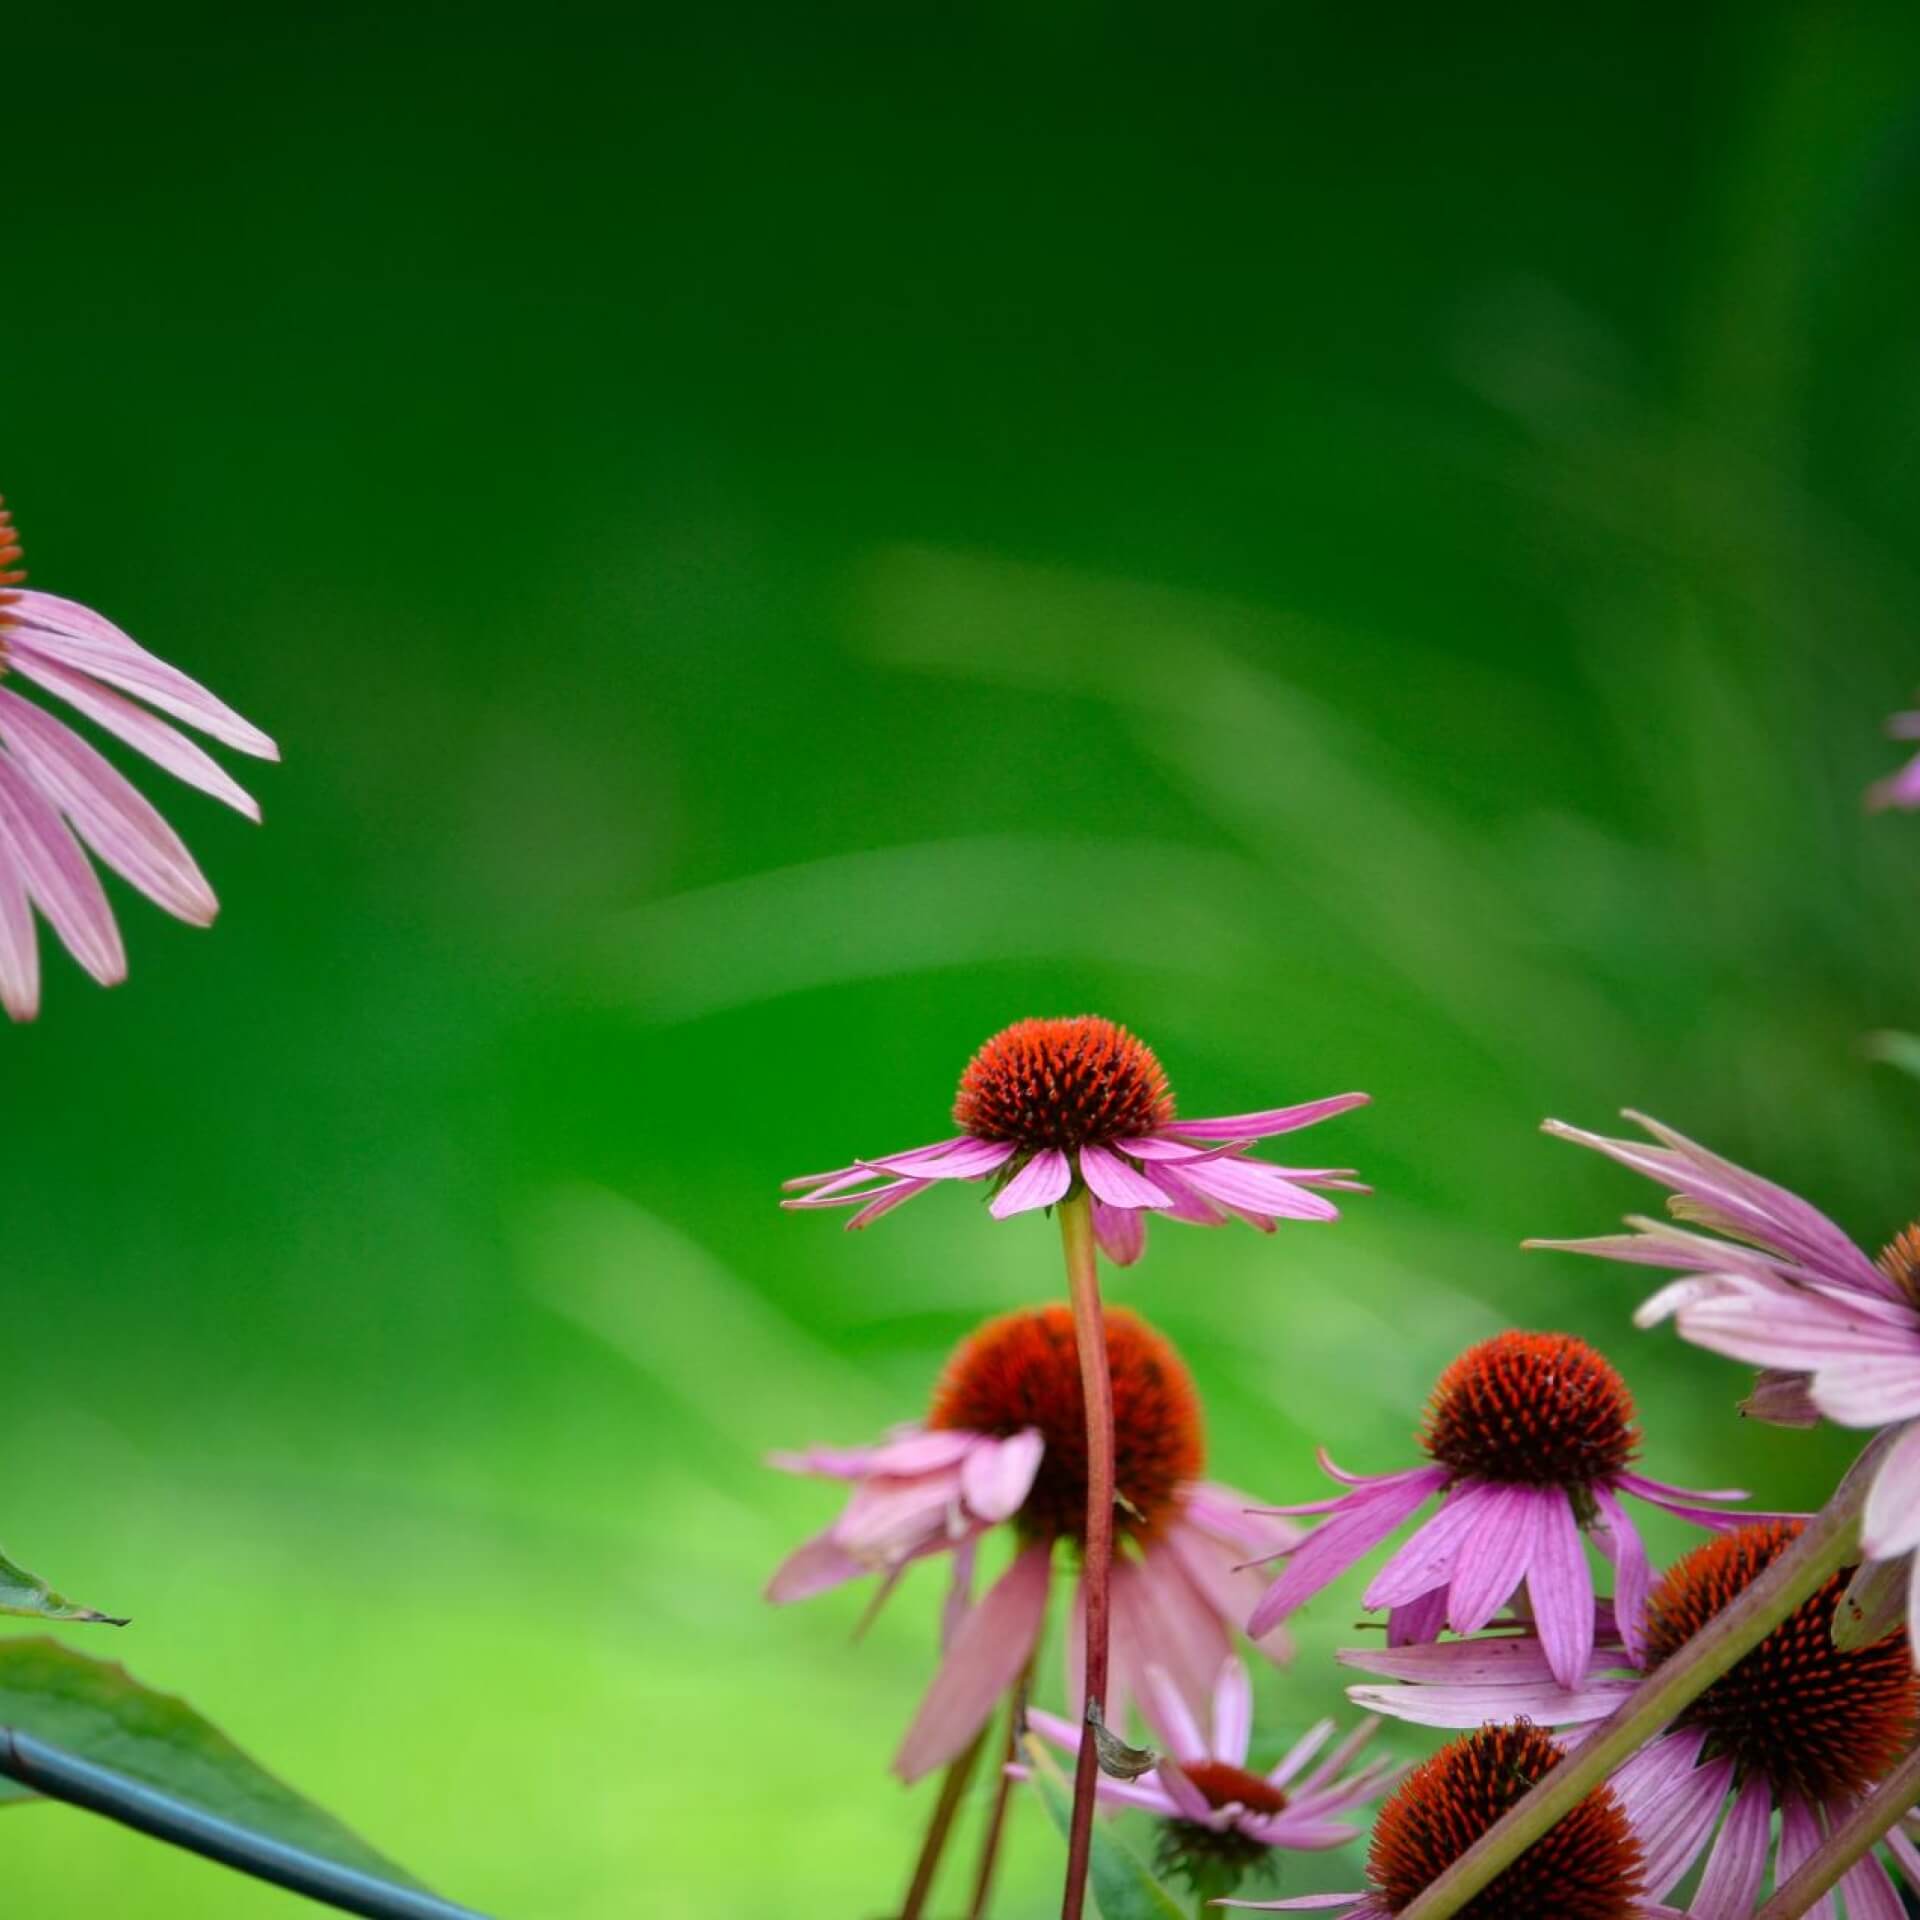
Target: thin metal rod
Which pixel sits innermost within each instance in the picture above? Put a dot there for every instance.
(60, 1775)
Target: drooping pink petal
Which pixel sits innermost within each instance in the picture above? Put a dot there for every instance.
(1868, 1391)
(1248, 1186)
(75, 636)
(997, 1477)
(111, 815)
(145, 732)
(1493, 1558)
(1418, 1619)
(901, 1455)
(1738, 1863)
(1619, 1539)
(1231, 1589)
(1043, 1180)
(1121, 1232)
(1110, 1179)
(885, 1201)
(1561, 1590)
(1302, 1751)
(1426, 1559)
(982, 1664)
(969, 1160)
(1338, 1542)
(814, 1567)
(57, 876)
(1870, 1893)
(19, 950)
(1799, 1839)
(1178, 1628)
(1673, 1803)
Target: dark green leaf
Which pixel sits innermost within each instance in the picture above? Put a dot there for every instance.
(96, 1709)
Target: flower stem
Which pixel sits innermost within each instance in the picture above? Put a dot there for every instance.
(952, 1791)
(1824, 1868)
(997, 1819)
(1096, 1574)
(1829, 1540)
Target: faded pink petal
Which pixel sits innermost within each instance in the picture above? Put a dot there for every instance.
(1043, 1180)
(57, 877)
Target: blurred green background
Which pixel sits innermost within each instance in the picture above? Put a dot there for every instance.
(1373, 547)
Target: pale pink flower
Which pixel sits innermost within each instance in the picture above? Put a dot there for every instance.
(1530, 1438)
(1004, 1451)
(1798, 1728)
(58, 794)
(1050, 1105)
(1222, 1821)
(1788, 1291)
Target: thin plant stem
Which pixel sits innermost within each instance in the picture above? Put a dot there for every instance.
(952, 1791)
(1096, 1575)
(60, 1775)
(1828, 1542)
(1854, 1837)
(1003, 1788)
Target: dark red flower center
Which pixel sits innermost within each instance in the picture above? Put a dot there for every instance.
(1022, 1370)
(1063, 1083)
(1589, 1867)
(1900, 1261)
(1808, 1718)
(1538, 1409)
(11, 571)
(1224, 1785)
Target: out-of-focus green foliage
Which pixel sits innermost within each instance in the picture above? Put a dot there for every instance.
(775, 541)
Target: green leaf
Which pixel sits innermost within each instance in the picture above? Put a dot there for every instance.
(1123, 1889)
(97, 1710)
(24, 1592)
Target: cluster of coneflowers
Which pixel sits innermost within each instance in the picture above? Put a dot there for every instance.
(1749, 1713)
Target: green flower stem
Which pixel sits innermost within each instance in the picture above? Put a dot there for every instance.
(952, 1791)
(1822, 1869)
(1829, 1541)
(1090, 1337)
(1003, 1789)
(60, 1775)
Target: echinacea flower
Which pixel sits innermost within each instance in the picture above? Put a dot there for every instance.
(1530, 1439)
(58, 794)
(1900, 789)
(1799, 1727)
(1223, 1824)
(1589, 1867)
(1004, 1447)
(1788, 1291)
(1051, 1105)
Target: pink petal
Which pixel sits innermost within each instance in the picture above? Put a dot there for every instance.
(813, 1568)
(1338, 1542)
(56, 874)
(1042, 1181)
(997, 1477)
(967, 1160)
(1868, 1392)
(75, 636)
(884, 1202)
(1620, 1541)
(113, 818)
(1172, 1718)
(1493, 1559)
(146, 732)
(1561, 1590)
(983, 1662)
(1799, 1839)
(1232, 1714)
(1121, 1232)
(1263, 1126)
(1253, 1188)
(1870, 1892)
(1738, 1863)
(19, 950)
(1110, 1179)
(1428, 1557)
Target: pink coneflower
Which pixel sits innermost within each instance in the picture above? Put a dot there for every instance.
(1900, 789)
(1589, 1867)
(1530, 1436)
(1222, 1823)
(1788, 1291)
(1051, 1103)
(1005, 1446)
(54, 786)
(1798, 1727)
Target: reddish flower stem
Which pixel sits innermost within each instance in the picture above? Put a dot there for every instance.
(952, 1791)
(1850, 1841)
(997, 1820)
(1096, 1577)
